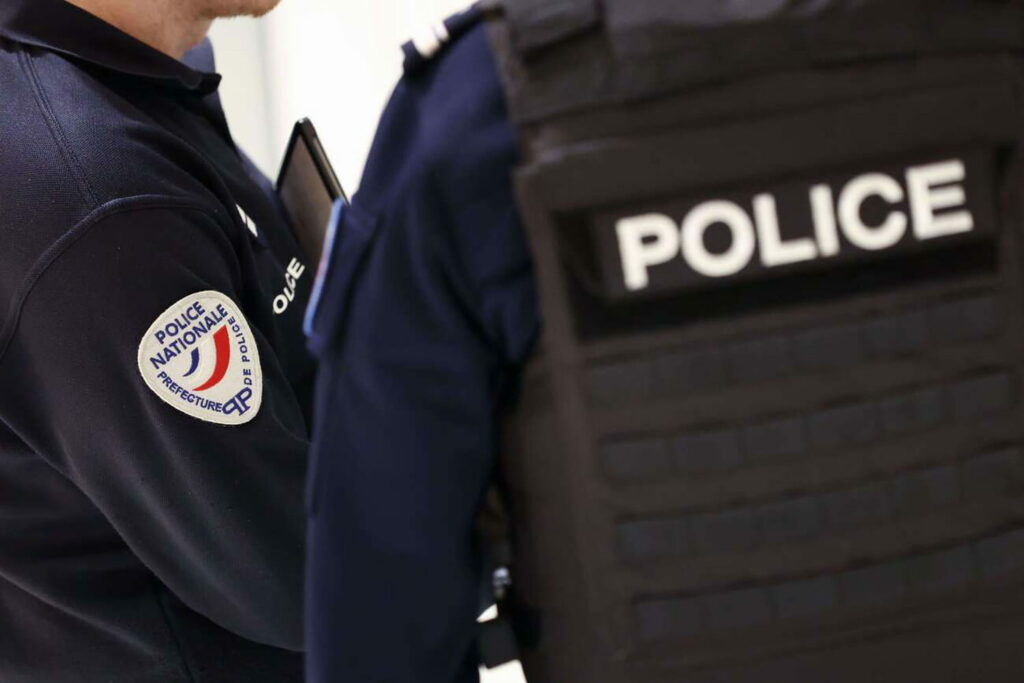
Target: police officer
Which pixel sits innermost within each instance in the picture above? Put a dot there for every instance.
(426, 308)
(770, 429)
(153, 398)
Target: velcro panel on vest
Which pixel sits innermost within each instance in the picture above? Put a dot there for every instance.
(799, 458)
(572, 57)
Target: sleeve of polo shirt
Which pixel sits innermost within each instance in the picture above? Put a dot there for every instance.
(214, 511)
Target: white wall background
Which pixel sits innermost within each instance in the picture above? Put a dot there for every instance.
(334, 61)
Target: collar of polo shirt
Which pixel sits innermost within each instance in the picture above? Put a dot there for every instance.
(61, 27)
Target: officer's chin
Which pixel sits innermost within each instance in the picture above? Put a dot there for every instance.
(223, 9)
(261, 7)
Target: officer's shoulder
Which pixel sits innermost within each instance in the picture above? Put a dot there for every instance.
(433, 43)
(68, 150)
(451, 77)
(93, 146)
(37, 173)
(440, 114)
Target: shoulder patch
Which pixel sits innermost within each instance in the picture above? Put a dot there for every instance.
(200, 357)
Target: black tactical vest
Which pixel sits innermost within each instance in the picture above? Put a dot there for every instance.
(774, 431)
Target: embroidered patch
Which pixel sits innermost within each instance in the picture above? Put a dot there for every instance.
(200, 357)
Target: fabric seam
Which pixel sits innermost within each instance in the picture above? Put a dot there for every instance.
(172, 632)
(57, 132)
(70, 238)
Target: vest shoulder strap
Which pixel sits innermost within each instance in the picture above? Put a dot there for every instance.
(568, 56)
(539, 24)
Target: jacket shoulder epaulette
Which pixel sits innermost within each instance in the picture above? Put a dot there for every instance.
(428, 44)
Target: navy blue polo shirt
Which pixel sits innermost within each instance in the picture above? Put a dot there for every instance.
(154, 385)
(427, 312)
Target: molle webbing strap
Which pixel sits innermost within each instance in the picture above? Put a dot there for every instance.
(578, 55)
(539, 24)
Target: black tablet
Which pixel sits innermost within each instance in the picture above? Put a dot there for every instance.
(308, 188)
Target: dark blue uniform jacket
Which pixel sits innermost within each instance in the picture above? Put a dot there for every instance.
(137, 542)
(427, 310)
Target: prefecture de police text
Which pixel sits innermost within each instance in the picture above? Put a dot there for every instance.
(239, 403)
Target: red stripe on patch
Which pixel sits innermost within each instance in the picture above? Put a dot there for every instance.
(223, 343)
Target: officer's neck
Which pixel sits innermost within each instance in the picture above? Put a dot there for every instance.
(170, 26)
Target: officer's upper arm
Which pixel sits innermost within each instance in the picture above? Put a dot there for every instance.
(212, 506)
(438, 309)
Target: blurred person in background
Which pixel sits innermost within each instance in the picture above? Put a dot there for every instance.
(771, 426)
(154, 389)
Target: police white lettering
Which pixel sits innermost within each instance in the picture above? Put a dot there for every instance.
(926, 199)
(292, 275)
(824, 216)
(932, 191)
(249, 223)
(851, 202)
(646, 241)
(741, 248)
(774, 251)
